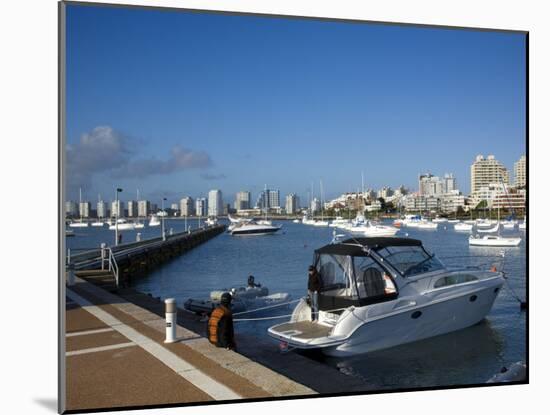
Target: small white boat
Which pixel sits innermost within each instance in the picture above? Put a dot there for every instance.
(523, 225)
(98, 224)
(323, 223)
(509, 224)
(453, 220)
(463, 227)
(154, 221)
(427, 225)
(440, 220)
(139, 225)
(484, 223)
(122, 225)
(211, 221)
(339, 222)
(493, 240)
(296, 221)
(79, 225)
(252, 228)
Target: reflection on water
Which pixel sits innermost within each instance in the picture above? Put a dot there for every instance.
(280, 262)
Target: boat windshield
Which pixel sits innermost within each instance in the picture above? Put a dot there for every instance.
(410, 260)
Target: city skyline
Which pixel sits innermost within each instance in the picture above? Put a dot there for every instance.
(292, 104)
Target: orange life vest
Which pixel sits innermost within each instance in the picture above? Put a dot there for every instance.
(214, 323)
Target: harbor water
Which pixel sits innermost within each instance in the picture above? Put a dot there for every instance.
(280, 262)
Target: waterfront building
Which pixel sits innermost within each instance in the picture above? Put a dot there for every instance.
(449, 183)
(201, 206)
(385, 192)
(187, 206)
(430, 185)
(144, 208)
(84, 209)
(422, 203)
(71, 208)
(102, 209)
(292, 204)
(242, 200)
(451, 201)
(117, 208)
(520, 172)
(215, 203)
(500, 195)
(315, 205)
(486, 171)
(274, 199)
(174, 206)
(132, 207)
(374, 206)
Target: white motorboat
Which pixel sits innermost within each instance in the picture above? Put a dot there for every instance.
(296, 221)
(253, 228)
(484, 223)
(98, 224)
(454, 220)
(320, 223)
(154, 221)
(371, 229)
(427, 225)
(78, 224)
(440, 220)
(493, 240)
(509, 224)
(378, 293)
(139, 225)
(122, 225)
(463, 227)
(211, 221)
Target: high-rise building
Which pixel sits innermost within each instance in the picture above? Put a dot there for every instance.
(430, 185)
(520, 172)
(101, 209)
(486, 171)
(274, 200)
(201, 206)
(117, 208)
(385, 192)
(292, 204)
(71, 208)
(85, 209)
(144, 208)
(132, 207)
(242, 200)
(187, 207)
(215, 203)
(449, 183)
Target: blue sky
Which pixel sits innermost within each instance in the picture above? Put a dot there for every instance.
(177, 103)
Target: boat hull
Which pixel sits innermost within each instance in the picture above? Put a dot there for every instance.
(436, 319)
(254, 232)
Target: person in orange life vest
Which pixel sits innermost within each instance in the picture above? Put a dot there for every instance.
(220, 324)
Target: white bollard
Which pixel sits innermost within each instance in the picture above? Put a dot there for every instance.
(103, 252)
(171, 232)
(138, 237)
(170, 309)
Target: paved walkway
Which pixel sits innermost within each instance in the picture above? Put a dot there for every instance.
(115, 357)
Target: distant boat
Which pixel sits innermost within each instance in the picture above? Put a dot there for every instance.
(523, 225)
(493, 240)
(98, 223)
(490, 230)
(427, 225)
(122, 225)
(211, 221)
(453, 220)
(154, 221)
(463, 227)
(440, 220)
(253, 228)
(296, 221)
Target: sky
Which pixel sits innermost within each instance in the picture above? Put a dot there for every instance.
(177, 103)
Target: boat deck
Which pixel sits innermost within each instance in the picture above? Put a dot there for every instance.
(303, 330)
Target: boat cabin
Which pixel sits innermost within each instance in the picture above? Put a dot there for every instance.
(362, 271)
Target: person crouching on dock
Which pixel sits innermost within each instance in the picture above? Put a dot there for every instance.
(220, 324)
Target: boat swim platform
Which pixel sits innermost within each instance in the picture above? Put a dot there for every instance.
(116, 358)
(305, 329)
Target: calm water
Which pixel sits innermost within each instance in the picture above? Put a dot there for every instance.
(280, 262)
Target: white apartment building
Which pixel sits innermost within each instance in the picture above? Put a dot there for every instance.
(215, 203)
(486, 171)
(520, 172)
(187, 206)
(292, 205)
(242, 200)
(144, 208)
(84, 209)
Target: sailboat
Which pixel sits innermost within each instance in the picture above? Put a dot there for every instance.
(321, 222)
(99, 222)
(493, 240)
(80, 224)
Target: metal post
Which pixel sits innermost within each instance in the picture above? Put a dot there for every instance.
(171, 231)
(138, 237)
(70, 276)
(103, 245)
(163, 232)
(171, 312)
(116, 217)
(68, 256)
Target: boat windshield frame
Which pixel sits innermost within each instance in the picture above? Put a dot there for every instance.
(432, 262)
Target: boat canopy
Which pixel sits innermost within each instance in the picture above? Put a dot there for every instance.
(356, 246)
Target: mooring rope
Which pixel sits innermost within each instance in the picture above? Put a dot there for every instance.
(266, 308)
